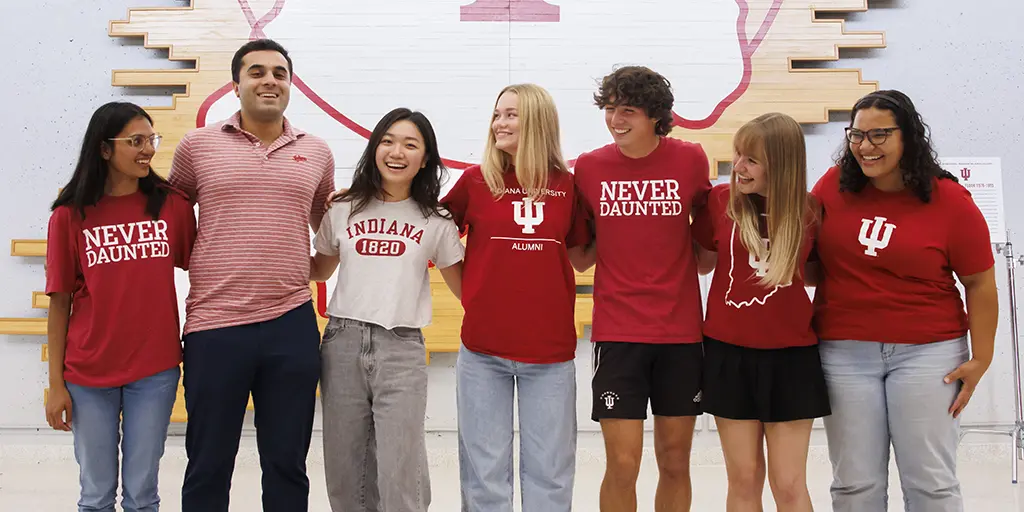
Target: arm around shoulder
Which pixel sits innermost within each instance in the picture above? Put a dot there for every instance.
(183, 174)
(582, 257)
(328, 256)
(452, 275)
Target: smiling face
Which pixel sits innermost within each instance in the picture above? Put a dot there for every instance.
(505, 123)
(749, 172)
(400, 155)
(877, 144)
(133, 152)
(630, 126)
(264, 85)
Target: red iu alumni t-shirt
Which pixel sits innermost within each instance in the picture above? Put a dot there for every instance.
(118, 264)
(645, 284)
(518, 288)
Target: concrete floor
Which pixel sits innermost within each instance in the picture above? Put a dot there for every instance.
(38, 474)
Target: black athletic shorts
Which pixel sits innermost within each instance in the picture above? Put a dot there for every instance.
(629, 375)
(768, 385)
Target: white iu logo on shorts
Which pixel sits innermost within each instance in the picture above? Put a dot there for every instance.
(528, 214)
(609, 399)
(878, 239)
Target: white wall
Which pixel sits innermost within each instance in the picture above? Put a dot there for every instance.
(961, 64)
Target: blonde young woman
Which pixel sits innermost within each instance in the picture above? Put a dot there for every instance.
(518, 292)
(762, 376)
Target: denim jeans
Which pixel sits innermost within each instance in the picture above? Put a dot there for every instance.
(100, 433)
(374, 392)
(485, 386)
(884, 393)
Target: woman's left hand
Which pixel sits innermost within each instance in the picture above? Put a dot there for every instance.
(970, 374)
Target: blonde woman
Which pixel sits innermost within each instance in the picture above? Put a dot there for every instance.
(518, 291)
(762, 375)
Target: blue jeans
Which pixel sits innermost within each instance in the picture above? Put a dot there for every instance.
(884, 393)
(485, 386)
(97, 425)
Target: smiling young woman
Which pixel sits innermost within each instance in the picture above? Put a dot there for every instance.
(897, 232)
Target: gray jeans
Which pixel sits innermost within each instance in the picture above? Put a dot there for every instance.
(374, 392)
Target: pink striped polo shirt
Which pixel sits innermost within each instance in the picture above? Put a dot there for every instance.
(250, 262)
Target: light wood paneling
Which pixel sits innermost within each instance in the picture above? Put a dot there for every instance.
(24, 326)
(29, 248)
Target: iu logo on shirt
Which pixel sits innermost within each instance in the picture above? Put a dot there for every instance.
(760, 267)
(881, 232)
(528, 214)
(744, 290)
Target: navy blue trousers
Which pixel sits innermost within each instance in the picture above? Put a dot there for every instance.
(278, 362)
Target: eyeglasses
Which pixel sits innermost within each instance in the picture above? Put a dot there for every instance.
(139, 141)
(876, 137)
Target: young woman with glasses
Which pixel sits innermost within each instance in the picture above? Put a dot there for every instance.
(116, 234)
(897, 233)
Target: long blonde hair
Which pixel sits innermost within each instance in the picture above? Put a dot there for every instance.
(540, 150)
(777, 141)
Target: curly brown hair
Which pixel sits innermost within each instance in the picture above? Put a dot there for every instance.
(640, 87)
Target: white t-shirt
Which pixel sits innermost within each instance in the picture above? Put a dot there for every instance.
(384, 250)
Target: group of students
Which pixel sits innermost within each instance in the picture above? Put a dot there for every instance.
(881, 352)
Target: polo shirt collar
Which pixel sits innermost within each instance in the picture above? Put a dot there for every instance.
(234, 123)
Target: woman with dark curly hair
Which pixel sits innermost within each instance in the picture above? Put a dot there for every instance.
(897, 232)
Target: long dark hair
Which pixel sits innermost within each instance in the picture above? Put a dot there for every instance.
(88, 183)
(919, 162)
(426, 186)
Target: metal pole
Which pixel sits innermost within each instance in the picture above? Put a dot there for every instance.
(1016, 433)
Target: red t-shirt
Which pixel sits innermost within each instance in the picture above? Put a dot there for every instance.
(118, 264)
(740, 310)
(645, 285)
(888, 262)
(518, 288)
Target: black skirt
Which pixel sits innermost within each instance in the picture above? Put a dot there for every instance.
(768, 385)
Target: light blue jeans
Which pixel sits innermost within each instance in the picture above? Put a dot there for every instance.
(97, 426)
(485, 386)
(884, 393)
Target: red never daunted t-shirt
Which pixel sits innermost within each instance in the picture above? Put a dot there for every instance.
(119, 265)
(740, 310)
(645, 284)
(888, 261)
(518, 288)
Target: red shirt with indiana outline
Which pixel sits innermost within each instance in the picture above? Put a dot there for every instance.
(518, 287)
(740, 310)
(888, 262)
(118, 264)
(646, 288)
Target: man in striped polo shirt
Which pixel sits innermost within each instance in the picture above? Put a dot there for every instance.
(250, 327)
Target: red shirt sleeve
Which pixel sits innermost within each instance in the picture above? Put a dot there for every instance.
(703, 226)
(186, 219)
(324, 189)
(814, 225)
(819, 186)
(970, 246)
(457, 201)
(702, 185)
(183, 174)
(580, 232)
(62, 264)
